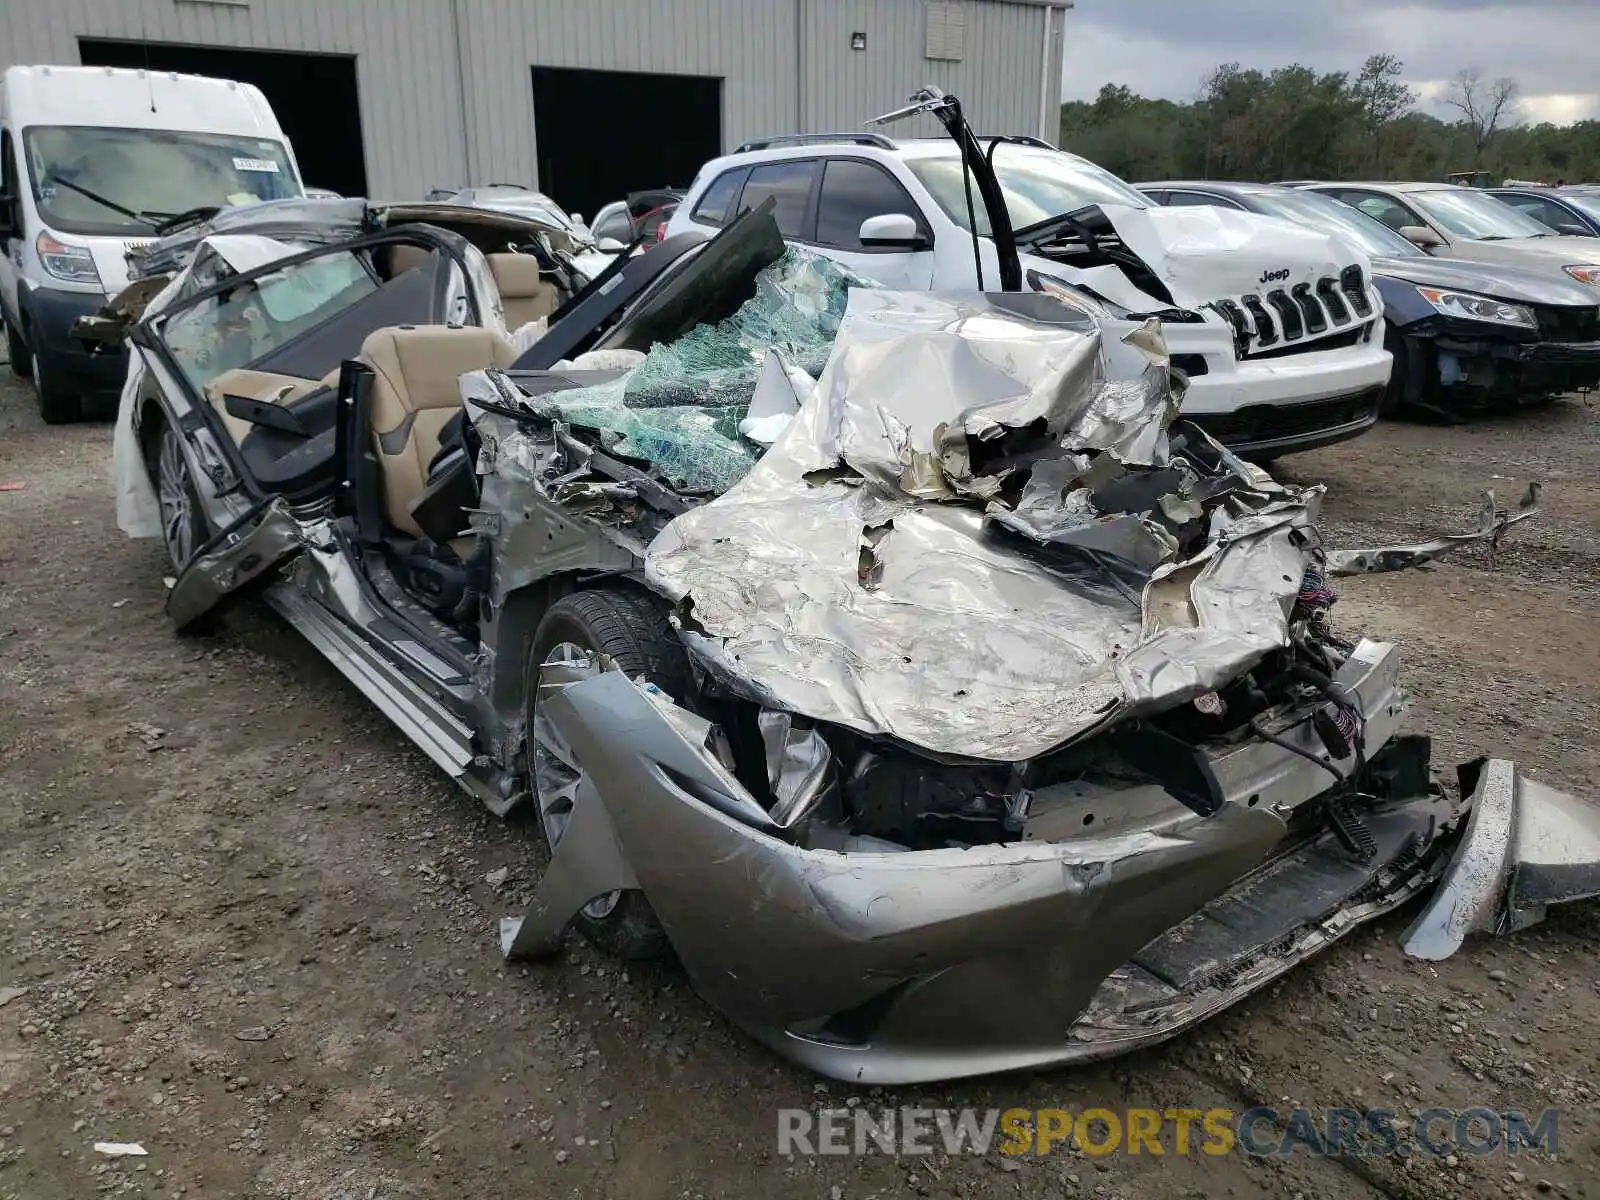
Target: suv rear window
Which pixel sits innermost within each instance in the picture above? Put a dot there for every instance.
(790, 184)
(716, 206)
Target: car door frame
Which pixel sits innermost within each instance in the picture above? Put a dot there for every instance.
(253, 531)
(814, 205)
(226, 469)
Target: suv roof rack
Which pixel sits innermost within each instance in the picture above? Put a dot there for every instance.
(812, 139)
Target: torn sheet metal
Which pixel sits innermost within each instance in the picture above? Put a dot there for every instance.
(1492, 525)
(780, 388)
(1526, 846)
(1204, 254)
(837, 581)
(799, 765)
(1057, 508)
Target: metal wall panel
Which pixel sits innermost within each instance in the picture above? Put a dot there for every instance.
(430, 118)
(997, 77)
(410, 114)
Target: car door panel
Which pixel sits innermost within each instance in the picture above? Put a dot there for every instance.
(234, 563)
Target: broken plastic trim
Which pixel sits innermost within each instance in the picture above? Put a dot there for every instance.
(245, 552)
(1526, 846)
(1492, 525)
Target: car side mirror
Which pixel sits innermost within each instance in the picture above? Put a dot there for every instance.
(893, 230)
(1575, 229)
(9, 227)
(610, 245)
(577, 218)
(1421, 236)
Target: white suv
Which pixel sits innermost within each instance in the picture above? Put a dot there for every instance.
(1279, 328)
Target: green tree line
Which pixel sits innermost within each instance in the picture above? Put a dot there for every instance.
(1294, 123)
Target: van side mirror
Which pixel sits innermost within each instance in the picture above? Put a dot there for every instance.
(892, 230)
(9, 226)
(1421, 236)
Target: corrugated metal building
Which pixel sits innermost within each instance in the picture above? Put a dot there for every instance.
(399, 96)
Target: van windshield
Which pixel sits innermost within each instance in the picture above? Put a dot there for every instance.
(91, 180)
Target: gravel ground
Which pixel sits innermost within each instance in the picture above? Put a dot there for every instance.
(254, 931)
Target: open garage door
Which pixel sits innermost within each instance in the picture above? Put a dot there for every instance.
(666, 125)
(314, 96)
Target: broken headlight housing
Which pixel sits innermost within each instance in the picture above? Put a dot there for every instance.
(1470, 307)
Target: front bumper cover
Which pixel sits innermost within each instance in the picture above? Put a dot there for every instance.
(886, 967)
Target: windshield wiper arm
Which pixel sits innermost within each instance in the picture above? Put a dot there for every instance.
(144, 218)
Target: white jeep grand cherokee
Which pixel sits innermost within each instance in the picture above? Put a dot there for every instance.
(1279, 328)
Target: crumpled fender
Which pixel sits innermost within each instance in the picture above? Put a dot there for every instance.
(1526, 847)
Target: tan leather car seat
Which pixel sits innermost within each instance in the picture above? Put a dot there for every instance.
(266, 386)
(414, 392)
(398, 259)
(525, 296)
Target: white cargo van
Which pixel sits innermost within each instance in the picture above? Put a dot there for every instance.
(92, 160)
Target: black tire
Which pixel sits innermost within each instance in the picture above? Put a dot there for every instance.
(182, 521)
(632, 629)
(56, 406)
(1394, 396)
(17, 349)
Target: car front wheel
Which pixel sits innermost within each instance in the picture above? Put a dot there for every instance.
(631, 629)
(183, 525)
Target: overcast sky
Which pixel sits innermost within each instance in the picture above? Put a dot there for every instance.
(1165, 47)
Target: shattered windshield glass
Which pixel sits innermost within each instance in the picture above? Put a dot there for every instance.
(681, 408)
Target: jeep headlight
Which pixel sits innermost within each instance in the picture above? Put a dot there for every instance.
(1479, 308)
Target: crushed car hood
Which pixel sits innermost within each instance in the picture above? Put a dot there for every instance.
(1205, 254)
(1205, 258)
(868, 571)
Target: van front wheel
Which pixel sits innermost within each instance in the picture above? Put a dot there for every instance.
(55, 406)
(17, 351)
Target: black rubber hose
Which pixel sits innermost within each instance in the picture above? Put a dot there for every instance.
(1256, 727)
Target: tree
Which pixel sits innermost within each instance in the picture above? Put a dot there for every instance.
(1384, 98)
(1482, 104)
(1293, 123)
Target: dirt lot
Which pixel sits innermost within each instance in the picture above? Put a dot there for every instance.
(255, 935)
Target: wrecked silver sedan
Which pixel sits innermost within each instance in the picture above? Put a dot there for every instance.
(896, 661)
